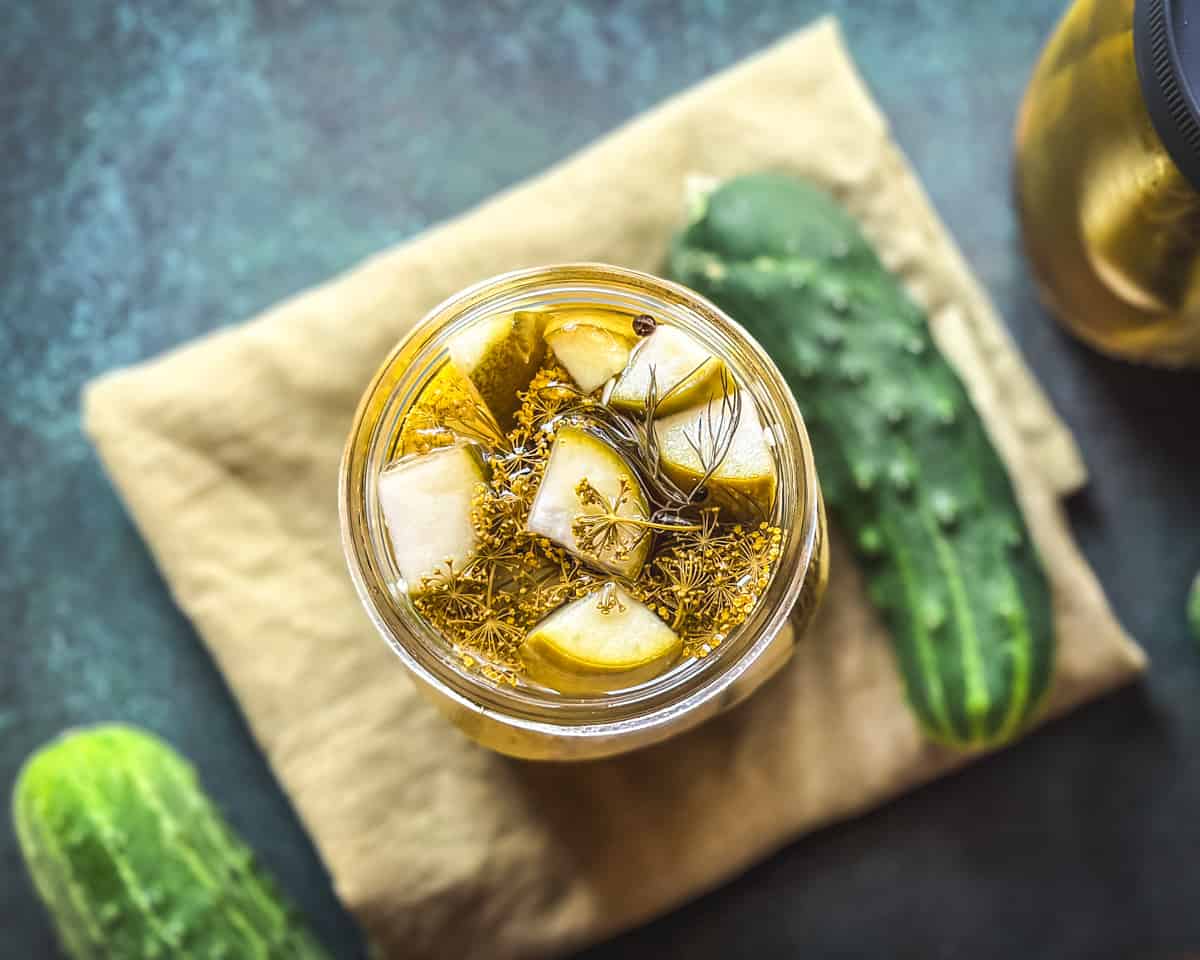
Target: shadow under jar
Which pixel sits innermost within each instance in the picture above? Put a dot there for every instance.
(498, 703)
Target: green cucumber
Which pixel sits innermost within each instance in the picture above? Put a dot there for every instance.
(905, 462)
(1193, 609)
(132, 859)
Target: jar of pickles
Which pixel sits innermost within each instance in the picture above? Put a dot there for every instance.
(1108, 177)
(580, 504)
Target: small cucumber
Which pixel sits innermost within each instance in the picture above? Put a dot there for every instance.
(906, 464)
(132, 859)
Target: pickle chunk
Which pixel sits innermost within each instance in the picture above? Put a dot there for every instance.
(603, 642)
(447, 399)
(589, 489)
(426, 503)
(499, 356)
(685, 374)
(592, 346)
(744, 478)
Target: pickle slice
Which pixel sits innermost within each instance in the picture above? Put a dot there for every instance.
(593, 346)
(744, 479)
(500, 355)
(442, 404)
(577, 456)
(685, 374)
(602, 642)
(426, 503)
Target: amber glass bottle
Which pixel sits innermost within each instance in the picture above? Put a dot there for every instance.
(1107, 176)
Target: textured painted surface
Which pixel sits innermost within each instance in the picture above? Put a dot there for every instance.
(169, 168)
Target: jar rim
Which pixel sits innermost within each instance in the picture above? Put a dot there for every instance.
(663, 706)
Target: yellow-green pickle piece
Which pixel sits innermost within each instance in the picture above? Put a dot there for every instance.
(608, 516)
(443, 404)
(744, 478)
(684, 374)
(602, 642)
(592, 345)
(500, 355)
(132, 860)
(426, 503)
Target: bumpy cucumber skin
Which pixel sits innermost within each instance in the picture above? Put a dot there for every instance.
(906, 464)
(132, 860)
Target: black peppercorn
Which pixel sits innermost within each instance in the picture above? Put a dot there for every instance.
(644, 324)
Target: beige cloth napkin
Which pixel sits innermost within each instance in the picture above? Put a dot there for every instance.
(226, 452)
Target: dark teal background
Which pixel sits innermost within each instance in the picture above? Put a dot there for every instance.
(167, 168)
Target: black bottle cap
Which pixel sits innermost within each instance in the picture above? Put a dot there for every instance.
(1166, 48)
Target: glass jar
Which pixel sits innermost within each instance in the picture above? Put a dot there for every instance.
(1107, 175)
(529, 721)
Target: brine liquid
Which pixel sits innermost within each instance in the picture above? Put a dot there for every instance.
(1111, 225)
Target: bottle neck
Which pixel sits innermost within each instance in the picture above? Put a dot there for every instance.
(1166, 43)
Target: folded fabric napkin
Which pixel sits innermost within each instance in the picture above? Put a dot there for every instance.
(226, 452)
